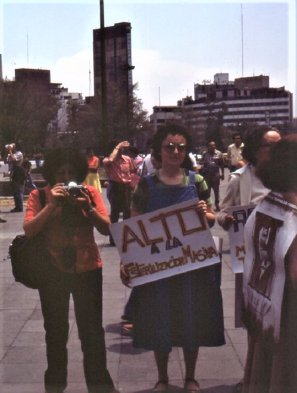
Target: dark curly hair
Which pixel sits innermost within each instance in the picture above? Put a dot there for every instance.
(56, 158)
(279, 172)
(252, 143)
(163, 132)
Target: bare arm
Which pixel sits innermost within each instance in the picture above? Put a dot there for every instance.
(100, 221)
(113, 155)
(232, 198)
(35, 225)
(207, 211)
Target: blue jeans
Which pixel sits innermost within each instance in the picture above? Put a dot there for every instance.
(86, 290)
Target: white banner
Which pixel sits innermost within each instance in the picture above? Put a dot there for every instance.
(269, 234)
(236, 240)
(165, 242)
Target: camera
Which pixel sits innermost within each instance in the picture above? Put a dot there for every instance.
(74, 190)
(9, 146)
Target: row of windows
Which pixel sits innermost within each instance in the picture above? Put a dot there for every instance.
(254, 112)
(247, 110)
(259, 120)
(247, 103)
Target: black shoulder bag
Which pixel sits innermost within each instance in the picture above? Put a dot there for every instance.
(29, 257)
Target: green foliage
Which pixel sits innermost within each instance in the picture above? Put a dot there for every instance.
(125, 120)
(25, 112)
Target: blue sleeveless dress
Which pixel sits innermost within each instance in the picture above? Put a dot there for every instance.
(181, 311)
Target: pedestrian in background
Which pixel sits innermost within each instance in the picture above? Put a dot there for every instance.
(133, 152)
(93, 178)
(29, 184)
(212, 169)
(2, 220)
(119, 168)
(184, 310)
(74, 267)
(234, 153)
(148, 165)
(17, 175)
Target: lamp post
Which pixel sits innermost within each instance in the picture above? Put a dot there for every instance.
(103, 106)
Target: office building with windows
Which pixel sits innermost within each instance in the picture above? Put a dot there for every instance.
(246, 100)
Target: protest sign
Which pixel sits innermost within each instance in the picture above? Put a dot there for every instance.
(269, 235)
(165, 242)
(237, 247)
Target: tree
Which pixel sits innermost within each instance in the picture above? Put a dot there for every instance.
(139, 127)
(125, 120)
(215, 130)
(25, 112)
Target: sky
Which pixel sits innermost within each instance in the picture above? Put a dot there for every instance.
(175, 43)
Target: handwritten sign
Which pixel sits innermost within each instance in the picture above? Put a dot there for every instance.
(269, 235)
(165, 242)
(236, 238)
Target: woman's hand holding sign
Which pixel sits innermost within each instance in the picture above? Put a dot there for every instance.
(125, 276)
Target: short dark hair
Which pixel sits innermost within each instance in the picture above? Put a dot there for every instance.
(279, 173)
(163, 132)
(56, 158)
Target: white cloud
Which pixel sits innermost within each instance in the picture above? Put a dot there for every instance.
(73, 72)
(173, 79)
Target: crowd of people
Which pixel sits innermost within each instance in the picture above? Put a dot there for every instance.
(183, 310)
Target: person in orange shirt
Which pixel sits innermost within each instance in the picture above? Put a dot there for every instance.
(74, 267)
(93, 178)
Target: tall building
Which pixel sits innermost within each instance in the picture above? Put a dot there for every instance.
(113, 71)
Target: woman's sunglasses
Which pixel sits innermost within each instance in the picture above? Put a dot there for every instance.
(170, 147)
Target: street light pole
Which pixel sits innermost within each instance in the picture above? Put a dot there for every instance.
(103, 105)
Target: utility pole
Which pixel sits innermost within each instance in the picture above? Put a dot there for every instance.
(242, 62)
(103, 96)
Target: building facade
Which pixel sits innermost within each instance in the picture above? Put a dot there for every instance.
(247, 100)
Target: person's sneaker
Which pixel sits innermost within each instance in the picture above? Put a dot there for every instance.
(2, 220)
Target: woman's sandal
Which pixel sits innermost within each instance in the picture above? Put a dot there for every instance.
(191, 386)
(161, 386)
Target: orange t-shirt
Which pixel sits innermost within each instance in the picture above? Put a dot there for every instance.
(69, 233)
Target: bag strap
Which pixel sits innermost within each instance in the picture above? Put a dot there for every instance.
(42, 199)
(192, 178)
(150, 180)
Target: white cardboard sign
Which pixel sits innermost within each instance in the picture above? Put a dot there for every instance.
(165, 242)
(236, 237)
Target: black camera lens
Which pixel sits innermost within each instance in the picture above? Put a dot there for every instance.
(75, 192)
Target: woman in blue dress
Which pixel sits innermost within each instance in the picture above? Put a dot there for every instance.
(184, 310)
